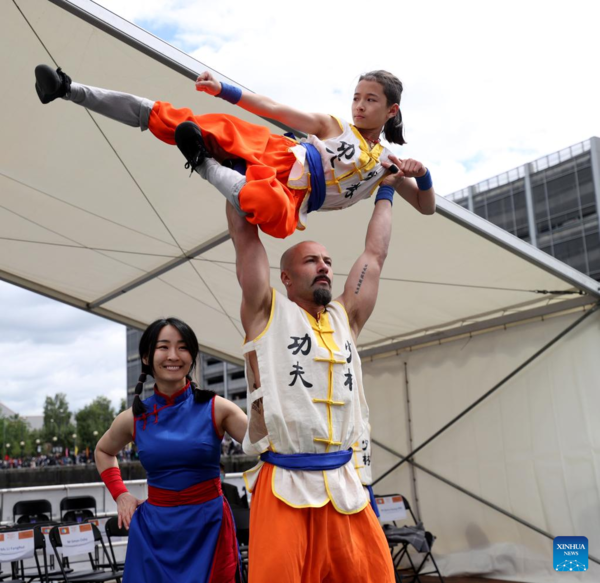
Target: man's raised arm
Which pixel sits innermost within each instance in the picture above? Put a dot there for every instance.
(252, 266)
(362, 285)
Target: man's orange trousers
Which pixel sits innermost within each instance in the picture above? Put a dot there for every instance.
(313, 545)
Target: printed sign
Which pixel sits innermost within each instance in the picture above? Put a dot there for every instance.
(391, 508)
(101, 524)
(570, 553)
(77, 539)
(16, 545)
(46, 532)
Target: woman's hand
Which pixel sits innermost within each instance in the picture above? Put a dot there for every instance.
(208, 84)
(126, 505)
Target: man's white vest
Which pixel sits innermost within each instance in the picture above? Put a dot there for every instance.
(362, 457)
(312, 400)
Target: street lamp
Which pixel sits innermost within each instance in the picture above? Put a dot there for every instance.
(74, 436)
(22, 444)
(37, 443)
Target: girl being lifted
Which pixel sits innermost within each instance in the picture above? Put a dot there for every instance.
(273, 180)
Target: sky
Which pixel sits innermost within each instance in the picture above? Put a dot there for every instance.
(488, 86)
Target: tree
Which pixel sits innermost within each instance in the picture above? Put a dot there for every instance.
(95, 417)
(16, 435)
(57, 421)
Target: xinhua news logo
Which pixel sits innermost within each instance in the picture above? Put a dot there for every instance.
(570, 553)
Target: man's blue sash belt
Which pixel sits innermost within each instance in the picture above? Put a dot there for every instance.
(308, 461)
(314, 462)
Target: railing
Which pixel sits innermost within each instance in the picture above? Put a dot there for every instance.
(105, 505)
(519, 172)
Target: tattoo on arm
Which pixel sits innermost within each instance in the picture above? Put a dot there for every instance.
(258, 406)
(361, 278)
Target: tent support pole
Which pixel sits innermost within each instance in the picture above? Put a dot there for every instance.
(492, 390)
(470, 494)
(413, 474)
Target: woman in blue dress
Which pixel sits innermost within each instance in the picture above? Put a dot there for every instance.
(184, 531)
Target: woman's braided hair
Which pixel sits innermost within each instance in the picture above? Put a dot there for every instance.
(148, 346)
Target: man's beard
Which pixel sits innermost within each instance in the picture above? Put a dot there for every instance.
(322, 296)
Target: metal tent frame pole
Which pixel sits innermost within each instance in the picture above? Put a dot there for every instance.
(491, 391)
(471, 495)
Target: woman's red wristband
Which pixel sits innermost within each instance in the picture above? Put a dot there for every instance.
(114, 483)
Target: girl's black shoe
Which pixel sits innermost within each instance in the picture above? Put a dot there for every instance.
(51, 84)
(188, 138)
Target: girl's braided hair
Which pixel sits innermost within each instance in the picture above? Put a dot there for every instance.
(393, 130)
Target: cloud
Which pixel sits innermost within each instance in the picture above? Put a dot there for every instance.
(41, 320)
(49, 347)
(487, 86)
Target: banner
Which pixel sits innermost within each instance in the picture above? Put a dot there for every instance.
(77, 539)
(391, 508)
(46, 532)
(16, 545)
(101, 525)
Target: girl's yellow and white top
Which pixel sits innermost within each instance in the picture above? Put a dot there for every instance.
(352, 169)
(311, 400)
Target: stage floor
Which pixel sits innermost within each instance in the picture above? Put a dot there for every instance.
(429, 579)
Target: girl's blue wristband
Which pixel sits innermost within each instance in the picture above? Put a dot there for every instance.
(230, 93)
(385, 192)
(424, 182)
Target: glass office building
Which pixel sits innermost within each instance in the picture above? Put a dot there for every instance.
(225, 378)
(551, 203)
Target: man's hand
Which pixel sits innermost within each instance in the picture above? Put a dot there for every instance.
(208, 84)
(126, 505)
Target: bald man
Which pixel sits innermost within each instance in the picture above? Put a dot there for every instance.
(310, 517)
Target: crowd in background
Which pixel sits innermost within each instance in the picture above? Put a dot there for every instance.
(60, 459)
(228, 447)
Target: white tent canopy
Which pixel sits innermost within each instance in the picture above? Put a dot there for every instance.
(98, 216)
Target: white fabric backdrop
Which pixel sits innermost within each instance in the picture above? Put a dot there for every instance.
(532, 448)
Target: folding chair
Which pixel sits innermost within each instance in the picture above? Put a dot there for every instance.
(400, 538)
(32, 511)
(77, 508)
(16, 562)
(241, 516)
(50, 573)
(96, 574)
(113, 530)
